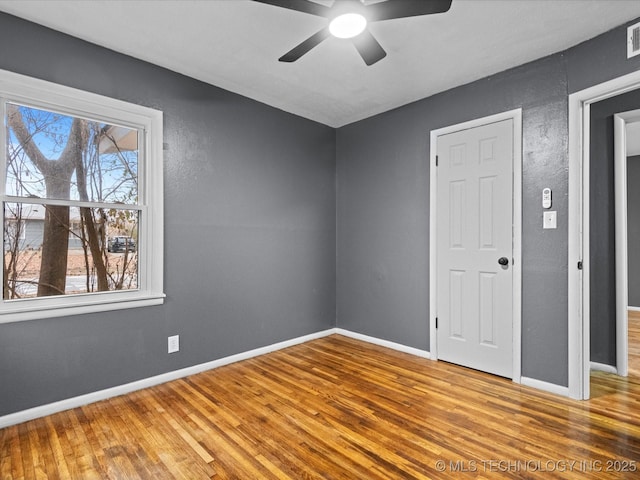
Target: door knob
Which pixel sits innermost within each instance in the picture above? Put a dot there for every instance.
(503, 261)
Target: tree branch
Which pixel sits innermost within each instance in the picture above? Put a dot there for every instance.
(14, 118)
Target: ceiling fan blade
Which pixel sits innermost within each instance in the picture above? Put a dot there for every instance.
(296, 52)
(299, 6)
(369, 48)
(405, 8)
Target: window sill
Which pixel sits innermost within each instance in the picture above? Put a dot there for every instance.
(77, 306)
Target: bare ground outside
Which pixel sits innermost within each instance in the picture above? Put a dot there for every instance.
(28, 266)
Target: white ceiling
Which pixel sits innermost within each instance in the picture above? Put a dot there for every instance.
(235, 44)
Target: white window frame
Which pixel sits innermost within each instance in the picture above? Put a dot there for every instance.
(17, 88)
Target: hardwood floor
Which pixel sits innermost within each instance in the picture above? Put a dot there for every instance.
(336, 408)
(634, 343)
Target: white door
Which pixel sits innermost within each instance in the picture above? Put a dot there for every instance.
(475, 247)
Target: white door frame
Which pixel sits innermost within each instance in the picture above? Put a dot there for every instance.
(579, 284)
(516, 116)
(620, 122)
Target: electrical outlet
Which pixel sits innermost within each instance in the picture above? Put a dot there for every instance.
(174, 343)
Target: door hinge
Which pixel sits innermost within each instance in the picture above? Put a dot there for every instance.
(436, 160)
(580, 265)
(436, 322)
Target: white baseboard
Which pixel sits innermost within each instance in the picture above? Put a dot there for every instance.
(69, 403)
(383, 343)
(546, 386)
(633, 309)
(602, 367)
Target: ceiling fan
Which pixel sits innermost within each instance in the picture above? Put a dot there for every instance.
(349, 19)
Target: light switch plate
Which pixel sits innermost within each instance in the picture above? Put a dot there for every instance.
(550, 220)
(174, 343)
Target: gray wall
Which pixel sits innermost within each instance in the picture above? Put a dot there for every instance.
(633, 228)
(383, 212)
(383, 201)
(249, 230)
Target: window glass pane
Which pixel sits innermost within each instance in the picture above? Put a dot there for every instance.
(61, 157)
(54, 250)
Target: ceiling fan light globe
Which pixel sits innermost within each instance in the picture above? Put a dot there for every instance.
(348, 25)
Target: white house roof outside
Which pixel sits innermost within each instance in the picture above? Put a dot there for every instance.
(35, 211)
(117, 138)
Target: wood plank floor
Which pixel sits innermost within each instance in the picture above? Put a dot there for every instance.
(336, 408)
(634, 343)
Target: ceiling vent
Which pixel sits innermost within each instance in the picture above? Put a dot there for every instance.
(633, 40)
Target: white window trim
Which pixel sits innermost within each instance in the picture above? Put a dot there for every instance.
(22, 89)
